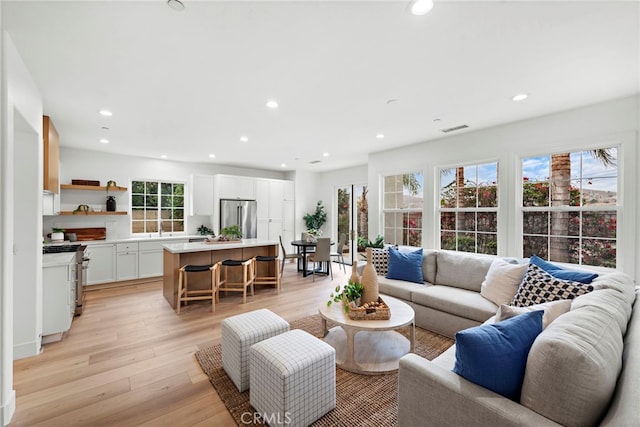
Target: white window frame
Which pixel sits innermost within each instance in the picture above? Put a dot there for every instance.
(476, 209)
(618, 208)
(402, 211)
(159, 219)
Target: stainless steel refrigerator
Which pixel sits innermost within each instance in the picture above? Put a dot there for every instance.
(243, 213)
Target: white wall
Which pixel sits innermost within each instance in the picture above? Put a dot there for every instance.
(594, 126)
(307, 196)
(20, 97)
(93, 165)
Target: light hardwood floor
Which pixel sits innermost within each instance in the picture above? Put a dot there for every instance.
(128, 360)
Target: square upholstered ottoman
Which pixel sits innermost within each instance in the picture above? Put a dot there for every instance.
(293, 378)
(239, 333)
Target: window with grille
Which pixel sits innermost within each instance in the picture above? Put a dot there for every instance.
(469, 208)
(403, 202)
(570, 207)
(156, 204)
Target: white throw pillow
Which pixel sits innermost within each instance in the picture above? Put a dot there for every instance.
(552, 310)
(502, 281)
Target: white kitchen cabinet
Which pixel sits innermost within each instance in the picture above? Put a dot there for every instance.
(50, 203)
(235, 187)
(275, 215)
(126, 261)
(102, 267)
(58, 283)
(201, 195)
(150, 257)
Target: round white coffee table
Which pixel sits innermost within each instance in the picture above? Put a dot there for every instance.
(369, 346)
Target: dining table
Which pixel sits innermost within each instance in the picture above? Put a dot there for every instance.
(304, 248)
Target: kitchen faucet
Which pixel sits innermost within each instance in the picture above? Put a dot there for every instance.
(160, 230)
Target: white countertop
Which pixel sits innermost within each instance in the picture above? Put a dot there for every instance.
(179, 248)
(136, 239)
(62, 258)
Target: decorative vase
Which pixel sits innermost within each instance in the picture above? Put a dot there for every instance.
(354, 273)
(111, 204)
(369, 280)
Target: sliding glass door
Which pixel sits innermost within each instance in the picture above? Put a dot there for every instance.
(352, 218)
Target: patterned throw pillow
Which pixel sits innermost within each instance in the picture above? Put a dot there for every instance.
(380, 260)
(538, 287)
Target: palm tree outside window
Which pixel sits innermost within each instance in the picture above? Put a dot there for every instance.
(469, 208)
(570, 207)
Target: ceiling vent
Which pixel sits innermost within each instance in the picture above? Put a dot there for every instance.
(454, 128)
(313, 162)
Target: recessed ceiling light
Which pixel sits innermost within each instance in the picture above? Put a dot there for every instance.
(421, 7)
(325, 154)
(106, 113)
(520, 97)
(104, 141)
(244, 139)
(272, 104)
(175, 4)
(212, 156)
(380, 136)
(283, 165)
(164, 156)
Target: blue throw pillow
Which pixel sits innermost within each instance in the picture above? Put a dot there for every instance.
(495, 355)
(561, 273)
(405, 265)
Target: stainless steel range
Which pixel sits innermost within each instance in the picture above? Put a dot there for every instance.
(82, 264)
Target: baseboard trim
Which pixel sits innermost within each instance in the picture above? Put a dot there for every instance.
(90, 288)
(8, 408)
(20, 351)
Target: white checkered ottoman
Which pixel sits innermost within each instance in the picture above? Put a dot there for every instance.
(239, 333)
(293, 378)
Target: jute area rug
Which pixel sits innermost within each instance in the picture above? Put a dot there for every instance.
(361, 400)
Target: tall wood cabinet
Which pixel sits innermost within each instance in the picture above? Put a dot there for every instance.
(51, 156)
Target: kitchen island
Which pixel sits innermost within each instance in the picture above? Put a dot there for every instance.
(176, 255)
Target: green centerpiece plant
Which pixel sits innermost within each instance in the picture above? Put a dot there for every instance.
(315, 220)
(231, 232)
(348, 295)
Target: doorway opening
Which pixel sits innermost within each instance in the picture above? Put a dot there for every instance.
(352, 219)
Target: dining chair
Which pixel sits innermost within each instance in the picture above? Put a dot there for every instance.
(339, 250)
(286, 256)
(322, 254)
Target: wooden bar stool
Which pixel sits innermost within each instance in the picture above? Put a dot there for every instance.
(268, 279)
(248, 275)
(186, 295)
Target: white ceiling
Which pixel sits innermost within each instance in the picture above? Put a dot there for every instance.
(190, 83)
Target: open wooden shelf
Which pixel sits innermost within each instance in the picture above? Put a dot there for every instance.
(90, 187)
(93, 213)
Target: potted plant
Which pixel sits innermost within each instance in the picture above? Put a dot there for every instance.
(315, 220)
(231, 232)
(203, 230)
(350, 295)
(57, 234)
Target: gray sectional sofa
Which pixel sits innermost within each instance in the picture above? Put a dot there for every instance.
(449, 300)
(582, 370)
